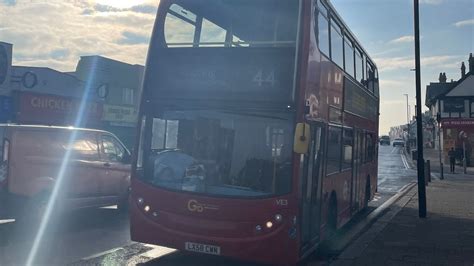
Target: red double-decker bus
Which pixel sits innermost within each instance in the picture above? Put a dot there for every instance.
(258, 127)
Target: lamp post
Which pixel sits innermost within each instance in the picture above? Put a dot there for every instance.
(419, 122)
(438, 119)
(407, 143)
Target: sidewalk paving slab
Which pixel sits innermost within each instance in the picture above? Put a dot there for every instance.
(445, 237)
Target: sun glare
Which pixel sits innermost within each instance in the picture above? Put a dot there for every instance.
(120, 3)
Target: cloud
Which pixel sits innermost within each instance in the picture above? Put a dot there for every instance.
(146, 9)
(403, 39)
(134, 38)
(462, 23)
(406, 62)
(67, 30)
(9, 2)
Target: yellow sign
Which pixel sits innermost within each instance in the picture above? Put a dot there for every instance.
(117, 113)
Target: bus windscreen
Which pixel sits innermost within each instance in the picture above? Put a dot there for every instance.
(221, 153)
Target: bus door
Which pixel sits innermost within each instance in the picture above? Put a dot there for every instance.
(311, 189)
(356, 165)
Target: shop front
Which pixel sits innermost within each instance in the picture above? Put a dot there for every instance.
(458, 134)
(121, 120)
(47, 109)
(6, 109)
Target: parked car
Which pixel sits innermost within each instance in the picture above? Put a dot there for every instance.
(385, 140)
(398, 142)
(33, 158)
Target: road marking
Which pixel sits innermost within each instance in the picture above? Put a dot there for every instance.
(393, 149)
(404, 160)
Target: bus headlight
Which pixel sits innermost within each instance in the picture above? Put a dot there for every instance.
(147, 208)
(269, 224)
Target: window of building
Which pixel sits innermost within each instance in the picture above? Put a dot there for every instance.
(333, 162)
(348, 141)
(349, 57)
(128, 96)
(337, 45)
(472, 108)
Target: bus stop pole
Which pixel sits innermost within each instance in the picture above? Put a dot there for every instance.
(419, 122)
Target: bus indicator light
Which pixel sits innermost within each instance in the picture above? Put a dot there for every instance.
(278, 218)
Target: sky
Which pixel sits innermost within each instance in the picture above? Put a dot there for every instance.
(55, 33)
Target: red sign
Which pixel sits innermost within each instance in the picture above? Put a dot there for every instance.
(55, 110)
(457, 122)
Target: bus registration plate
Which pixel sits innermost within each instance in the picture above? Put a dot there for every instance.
(201, 248)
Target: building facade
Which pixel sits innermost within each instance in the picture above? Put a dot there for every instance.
(118, 84)
(107, 91)
(452, 105)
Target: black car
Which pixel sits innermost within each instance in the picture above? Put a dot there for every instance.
(385, 140)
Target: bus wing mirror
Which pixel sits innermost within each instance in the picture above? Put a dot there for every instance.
(302, 138)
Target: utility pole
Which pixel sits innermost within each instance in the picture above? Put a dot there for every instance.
(408, 109)
(407, 141)
(419, 122)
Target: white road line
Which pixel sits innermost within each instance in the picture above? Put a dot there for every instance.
(404, 160)
(393, 149)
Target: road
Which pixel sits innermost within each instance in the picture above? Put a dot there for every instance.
(101, 236)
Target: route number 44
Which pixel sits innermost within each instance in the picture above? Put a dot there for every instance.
(262, 78)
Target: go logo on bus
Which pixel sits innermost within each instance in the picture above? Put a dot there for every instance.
(195, 206)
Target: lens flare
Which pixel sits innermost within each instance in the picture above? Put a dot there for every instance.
(62, 169)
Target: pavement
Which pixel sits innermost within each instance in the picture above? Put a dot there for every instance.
(433, 156)
(400, 237)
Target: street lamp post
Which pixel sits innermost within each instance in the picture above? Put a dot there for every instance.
(407, 141)
(419, 122)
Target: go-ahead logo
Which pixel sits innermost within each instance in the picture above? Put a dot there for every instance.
(195, 206)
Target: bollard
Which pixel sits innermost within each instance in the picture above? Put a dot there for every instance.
(428, 170)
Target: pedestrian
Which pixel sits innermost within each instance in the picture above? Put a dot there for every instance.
(452, 159)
